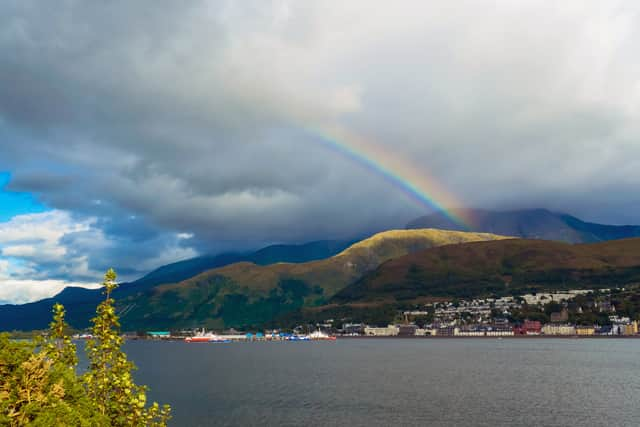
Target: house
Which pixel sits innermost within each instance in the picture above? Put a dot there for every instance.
(389, 331)
(499, 331)
(159, 334)
(604, 330)
(353, 328)
(532, 327)
(469, 331)
(585, 330)
(606, 307)
(407, 330)
(529, 327)
(558, 317)
(556, 329)
(446, 331)
(630, 329)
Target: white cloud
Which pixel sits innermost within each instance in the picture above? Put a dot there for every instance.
(41, 254)
(16, 291)
(38, 236)
(25, 242)
(168, 256)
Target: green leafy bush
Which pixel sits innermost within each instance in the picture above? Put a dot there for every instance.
(39, 385)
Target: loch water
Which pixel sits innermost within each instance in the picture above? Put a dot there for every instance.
(395, 382)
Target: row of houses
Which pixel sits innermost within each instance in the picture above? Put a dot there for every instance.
(482, 310)
(501, 329)
(581, 330)
(413, 330)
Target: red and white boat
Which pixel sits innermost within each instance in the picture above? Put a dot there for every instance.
(319, 335)
(206, 337)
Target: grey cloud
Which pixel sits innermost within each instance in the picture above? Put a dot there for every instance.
(160, 118)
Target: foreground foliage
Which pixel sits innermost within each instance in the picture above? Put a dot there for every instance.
(109, 381)
(39, 385)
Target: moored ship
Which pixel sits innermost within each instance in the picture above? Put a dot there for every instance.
(206, 337)
(319, 335)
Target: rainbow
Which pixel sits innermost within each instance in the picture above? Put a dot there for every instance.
(415, 183)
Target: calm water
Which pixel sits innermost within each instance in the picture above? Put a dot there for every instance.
(403, 382)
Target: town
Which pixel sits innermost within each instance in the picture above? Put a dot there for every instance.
(577, 312)
(569, 313)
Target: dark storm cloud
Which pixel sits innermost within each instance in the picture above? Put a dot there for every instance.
(159, 119)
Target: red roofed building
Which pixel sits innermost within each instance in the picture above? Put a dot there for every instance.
(529, 327)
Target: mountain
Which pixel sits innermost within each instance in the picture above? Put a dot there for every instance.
(182, 270)
(497, 267)
(81, 303)
(245, 294)
(529, 224)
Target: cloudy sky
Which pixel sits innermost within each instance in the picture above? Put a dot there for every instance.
(133, 134)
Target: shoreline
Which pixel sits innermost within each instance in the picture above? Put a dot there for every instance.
(494, 337)
(513, 337)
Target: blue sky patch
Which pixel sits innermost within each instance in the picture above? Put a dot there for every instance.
(13, 203)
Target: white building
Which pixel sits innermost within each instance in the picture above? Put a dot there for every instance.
(389, 331)
(554, 329)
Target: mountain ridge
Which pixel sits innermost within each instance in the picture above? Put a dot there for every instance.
(245, 294)
(498, 267)
(81, 302)
(528, 223)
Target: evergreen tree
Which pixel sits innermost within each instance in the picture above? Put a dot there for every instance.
(109, 380)
(59, 347)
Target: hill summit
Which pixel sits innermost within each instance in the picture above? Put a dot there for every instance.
(529, 224)
(498, 268)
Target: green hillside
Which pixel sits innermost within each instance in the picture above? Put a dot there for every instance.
(80, 303)
(246, 294)
(500, 267)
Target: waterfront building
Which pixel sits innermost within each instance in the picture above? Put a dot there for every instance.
(353, 328)
(469, 331)
(556, 329)
(430, 331)
(585, 330)
(501, 323)
(446, 331)
(532, 327)
(604, 330)
(499, 332)
(159, 334)
(630, 329)
(407, 330)
(617, 329)
(389, 331)
(243, 337)
(528, 327)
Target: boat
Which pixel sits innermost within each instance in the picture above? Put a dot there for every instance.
(297, 338)
(207, 337)
(321, 336)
